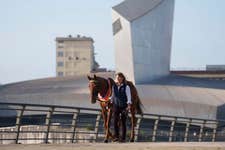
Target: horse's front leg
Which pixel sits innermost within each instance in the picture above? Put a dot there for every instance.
(109, 116)
(104, 117)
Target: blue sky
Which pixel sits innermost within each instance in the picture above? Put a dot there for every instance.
(28, 29)
(199, 33)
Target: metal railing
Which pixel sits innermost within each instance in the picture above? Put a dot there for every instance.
(31, 123)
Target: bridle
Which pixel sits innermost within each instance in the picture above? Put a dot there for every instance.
(106, 97)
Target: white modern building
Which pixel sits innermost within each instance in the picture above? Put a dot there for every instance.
(142, 37)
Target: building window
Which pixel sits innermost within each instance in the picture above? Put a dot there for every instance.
(60, 64)
(117, 26)
(60, 54)
(77, 58)
(60, 74)
(60, 46)
(60, 41)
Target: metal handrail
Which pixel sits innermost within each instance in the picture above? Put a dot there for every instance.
(96, 109)
(200, 125)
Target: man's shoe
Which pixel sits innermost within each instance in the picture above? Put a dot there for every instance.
(116, 140)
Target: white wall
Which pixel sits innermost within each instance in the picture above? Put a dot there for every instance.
(151, 42)
(123, 48)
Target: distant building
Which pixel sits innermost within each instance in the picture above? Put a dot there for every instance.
(100, 70)
(74, 55)
(215, 67)
(143, 33)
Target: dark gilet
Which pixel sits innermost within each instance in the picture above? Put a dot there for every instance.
(120, 97)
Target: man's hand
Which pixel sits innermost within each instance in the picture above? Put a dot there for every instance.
(129, 107)
(110, 104)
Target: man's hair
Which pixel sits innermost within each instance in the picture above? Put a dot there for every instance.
(120, 74)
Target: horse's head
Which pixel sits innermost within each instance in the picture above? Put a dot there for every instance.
(94, 87)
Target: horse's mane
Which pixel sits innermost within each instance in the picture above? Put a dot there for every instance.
(112, 81)
(101, 79)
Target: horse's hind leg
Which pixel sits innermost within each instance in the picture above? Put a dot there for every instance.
(108, 121)
(132, 125)
(104, 117)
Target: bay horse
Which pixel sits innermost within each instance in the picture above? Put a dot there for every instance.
(101, 90)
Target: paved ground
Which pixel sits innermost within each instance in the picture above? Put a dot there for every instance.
(119, 146)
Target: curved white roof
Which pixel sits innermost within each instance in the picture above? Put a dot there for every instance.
(172, 95)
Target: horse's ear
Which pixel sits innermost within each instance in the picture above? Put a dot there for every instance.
(89, 78)
(95, 76)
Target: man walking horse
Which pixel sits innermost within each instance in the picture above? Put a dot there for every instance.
(124, 98)
(121, 100)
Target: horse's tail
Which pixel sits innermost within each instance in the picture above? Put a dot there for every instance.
(139, 106)
(137, 101)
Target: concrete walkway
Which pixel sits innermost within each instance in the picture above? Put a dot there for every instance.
(118, 146)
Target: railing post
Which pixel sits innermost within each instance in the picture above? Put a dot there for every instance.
(74, 123)
(214, 132)
(137, 128)
(18, 122)
(201, 131)
(155, 129)
(172, 129)
(48, 123)
(97, 125)
(187, 130)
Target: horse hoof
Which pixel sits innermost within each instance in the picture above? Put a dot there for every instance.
(105, 141)
(131, 140)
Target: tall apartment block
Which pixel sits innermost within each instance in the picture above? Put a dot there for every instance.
(74, 55)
